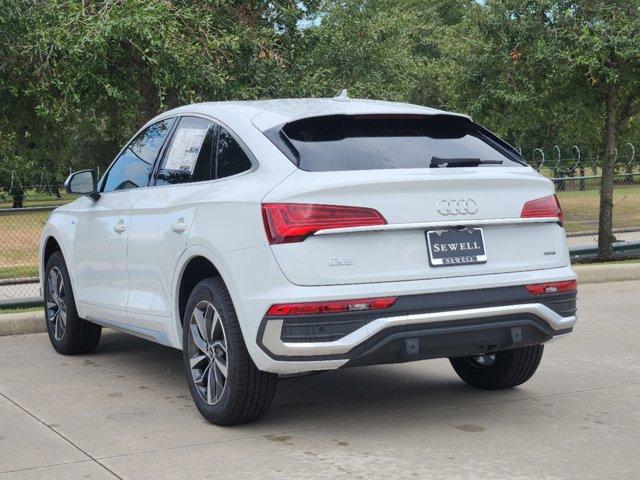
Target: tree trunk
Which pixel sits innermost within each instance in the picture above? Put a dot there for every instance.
(18, 198)
(605, 226)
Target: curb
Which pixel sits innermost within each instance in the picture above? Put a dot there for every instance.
(21, 323)
(33, 322)
(617, 272)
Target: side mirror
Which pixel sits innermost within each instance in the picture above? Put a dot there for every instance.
(83, 182)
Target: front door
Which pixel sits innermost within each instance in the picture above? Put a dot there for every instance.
(102, 229)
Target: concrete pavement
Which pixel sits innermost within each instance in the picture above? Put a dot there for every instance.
(125, 412)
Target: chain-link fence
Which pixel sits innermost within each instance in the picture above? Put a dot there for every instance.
(580, 201)
(577, 179)
(579, 196)
(20, 230)
(23, 211)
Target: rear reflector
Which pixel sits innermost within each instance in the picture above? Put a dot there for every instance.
(293, 222)
(553, 287)
(336, 306)
(543, 207)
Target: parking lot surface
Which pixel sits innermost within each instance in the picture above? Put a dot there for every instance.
(125, 412)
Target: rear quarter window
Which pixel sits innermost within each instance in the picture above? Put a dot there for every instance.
(367, 142)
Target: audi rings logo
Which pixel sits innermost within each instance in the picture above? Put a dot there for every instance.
(462, 206)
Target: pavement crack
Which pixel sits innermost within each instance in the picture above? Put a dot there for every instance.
(40, 467)
(69, 441)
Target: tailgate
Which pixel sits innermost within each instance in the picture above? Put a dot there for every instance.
(414, 201)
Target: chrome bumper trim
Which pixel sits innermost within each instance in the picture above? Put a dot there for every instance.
(468, 222)
(273, 328)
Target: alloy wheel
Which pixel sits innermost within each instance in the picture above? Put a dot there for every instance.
(57, 303)
(207, 352)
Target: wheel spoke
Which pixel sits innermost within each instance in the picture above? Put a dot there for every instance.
(196, 360)
(200, 378)
(211, 385)
(215, 320)
(53, 286)
(217, 325)
(220, 356)
(198, 340)
(201, 322)
(221, 366)
(57, 328)
(60, 287)
(209, 311)
(219, 381)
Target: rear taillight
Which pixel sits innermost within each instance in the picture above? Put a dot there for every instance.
(334, 306)
(564, 286)
(543, 207)
(293, 222)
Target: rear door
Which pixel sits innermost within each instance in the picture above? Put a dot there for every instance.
(199, 153)
(162, 216)
(414, 198)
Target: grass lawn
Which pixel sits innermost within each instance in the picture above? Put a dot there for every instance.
(581, 208)
(20, 233)
(20, 310)
(33, 199)
(19, 240)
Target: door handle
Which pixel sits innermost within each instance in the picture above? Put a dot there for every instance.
(119, 227)
(180, 226)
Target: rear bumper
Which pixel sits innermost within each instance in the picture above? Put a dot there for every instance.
(254, 290)
(422, 326)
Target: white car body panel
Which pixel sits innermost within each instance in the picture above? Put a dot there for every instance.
(130, 280)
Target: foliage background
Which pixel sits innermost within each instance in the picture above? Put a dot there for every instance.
(78, 77)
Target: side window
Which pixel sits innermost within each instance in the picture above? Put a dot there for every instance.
(189, 156)
(231, 158)
(133, 166)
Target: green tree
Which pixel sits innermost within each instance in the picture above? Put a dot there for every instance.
(603, 46)
(77, 77)
(384, 49)
(545, 69)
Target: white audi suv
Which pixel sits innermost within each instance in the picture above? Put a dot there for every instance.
(288, 236)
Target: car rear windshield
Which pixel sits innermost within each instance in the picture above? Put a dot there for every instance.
(367, 142)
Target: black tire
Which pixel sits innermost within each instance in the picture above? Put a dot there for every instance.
(248, 392)
(507, 369)
(78, 335)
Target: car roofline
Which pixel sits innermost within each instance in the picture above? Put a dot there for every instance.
(265, 114)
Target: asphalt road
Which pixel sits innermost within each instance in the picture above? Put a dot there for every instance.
(125, 412)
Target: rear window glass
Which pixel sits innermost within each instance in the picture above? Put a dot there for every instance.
(366, 142)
